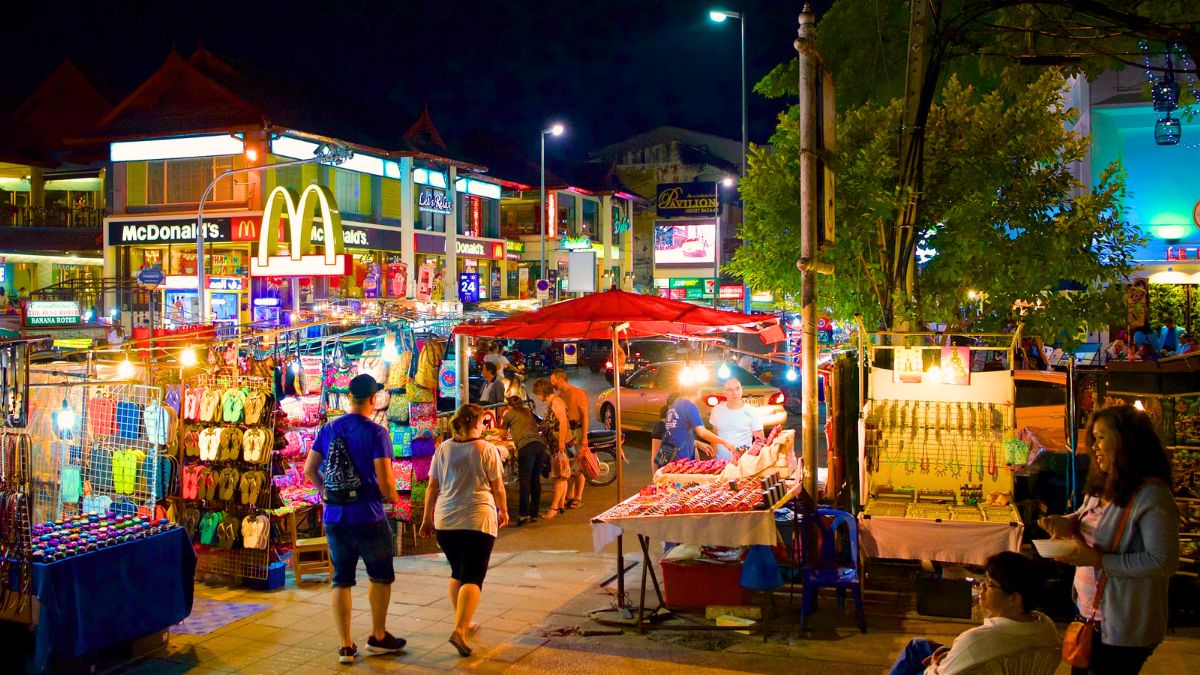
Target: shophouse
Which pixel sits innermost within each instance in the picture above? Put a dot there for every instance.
(589, 213)
(404, 199)
(668, 160)
(51, 196)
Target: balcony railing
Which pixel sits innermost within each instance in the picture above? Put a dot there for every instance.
(50, 216)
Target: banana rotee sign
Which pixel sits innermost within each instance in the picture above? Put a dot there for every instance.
(301, 211)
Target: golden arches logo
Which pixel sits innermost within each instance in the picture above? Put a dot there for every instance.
(301, 214)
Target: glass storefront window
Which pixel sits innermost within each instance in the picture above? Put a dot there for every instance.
(566, 214)
(430, 221)
(518, 218)
(591, 218)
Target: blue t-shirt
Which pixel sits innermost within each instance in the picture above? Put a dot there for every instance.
(367, 441)
(682, 419)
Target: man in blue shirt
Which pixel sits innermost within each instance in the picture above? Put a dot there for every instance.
(684, 424)
(1169, 338)
(359, 529)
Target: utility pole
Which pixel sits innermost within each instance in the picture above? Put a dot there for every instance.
(806, 46)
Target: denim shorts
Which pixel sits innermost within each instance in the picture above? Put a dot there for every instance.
(370, 541)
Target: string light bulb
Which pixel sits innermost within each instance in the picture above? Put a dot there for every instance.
(390, 353)
(64, 419)
(723, 372)
(187, 357)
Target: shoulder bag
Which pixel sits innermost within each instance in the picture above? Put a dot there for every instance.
(1081, 633)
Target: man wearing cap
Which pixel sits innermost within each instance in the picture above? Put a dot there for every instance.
(359, 529)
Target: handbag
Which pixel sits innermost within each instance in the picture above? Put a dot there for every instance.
(1080, 634)
(398, 408)
(589, 465)
(666, 454)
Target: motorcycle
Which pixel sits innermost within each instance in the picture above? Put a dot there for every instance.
(602, 443)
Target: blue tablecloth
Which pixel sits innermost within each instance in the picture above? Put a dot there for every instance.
(112, 595)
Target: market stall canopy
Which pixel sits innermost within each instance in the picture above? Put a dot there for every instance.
(593, 316)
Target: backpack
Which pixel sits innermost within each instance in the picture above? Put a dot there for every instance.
(342, 484)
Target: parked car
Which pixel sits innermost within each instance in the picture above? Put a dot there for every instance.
(645, 393)
(639, 353)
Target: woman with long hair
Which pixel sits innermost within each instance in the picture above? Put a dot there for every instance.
(522, 427)
(558, 433)
(1128, 536)
(466, 484)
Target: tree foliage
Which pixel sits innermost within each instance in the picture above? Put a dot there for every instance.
(1000, 207)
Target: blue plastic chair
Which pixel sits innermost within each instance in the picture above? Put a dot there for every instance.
(829, 571)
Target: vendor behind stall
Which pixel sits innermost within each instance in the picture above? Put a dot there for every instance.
(735, 420)
(684, 425)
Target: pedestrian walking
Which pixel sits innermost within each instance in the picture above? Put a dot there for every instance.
(466, 484)
(557, 431)
(576, 400)
(522, 427)
(351, 466)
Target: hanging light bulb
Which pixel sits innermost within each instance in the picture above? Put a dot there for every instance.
(723, 372)
(64, 420)
(791, 375)
(187, 357)
(125, 369)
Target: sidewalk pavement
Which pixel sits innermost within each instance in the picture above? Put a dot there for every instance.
(534, 618)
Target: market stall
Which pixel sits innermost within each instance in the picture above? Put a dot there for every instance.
(934, 472)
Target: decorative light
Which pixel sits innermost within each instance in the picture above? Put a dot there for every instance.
(723, 372)
(934, 373)
(791, 375)
(1167, 131)
(727, 181)
(187, 357)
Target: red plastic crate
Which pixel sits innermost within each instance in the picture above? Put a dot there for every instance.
(695, 585)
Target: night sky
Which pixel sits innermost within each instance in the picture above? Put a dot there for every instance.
(607, 68)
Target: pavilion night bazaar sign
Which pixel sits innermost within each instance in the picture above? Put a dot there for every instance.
(300, 260)
(687, 200)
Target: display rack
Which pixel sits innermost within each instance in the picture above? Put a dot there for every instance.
(938, 413)
(242, 482)
(16, 570)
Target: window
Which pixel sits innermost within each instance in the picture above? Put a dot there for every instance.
(429, 221)
(518, 218)
(183, 181)
(668, 376)
(591, 218)
(347, 189)
(566, 214)
(290, 176)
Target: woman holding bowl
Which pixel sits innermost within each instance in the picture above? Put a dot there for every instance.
(1127, 532)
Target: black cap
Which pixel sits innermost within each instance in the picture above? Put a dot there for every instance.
(364, 386)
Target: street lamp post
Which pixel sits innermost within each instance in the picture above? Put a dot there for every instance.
(719, 16)
(554, 130)
(331, 153)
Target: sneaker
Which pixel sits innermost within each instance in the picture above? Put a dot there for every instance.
(387, 645)
(524, 520)
(346, 654)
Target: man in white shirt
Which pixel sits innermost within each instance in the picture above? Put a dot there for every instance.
(1008, 592)
(734, 420)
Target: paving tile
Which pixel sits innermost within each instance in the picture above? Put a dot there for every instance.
(264, 651)
(227, 643)
(320, 669)
(292, 637)
(256, 632)
(298, 655)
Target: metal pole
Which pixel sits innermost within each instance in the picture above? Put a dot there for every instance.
(620, 470)
(542, 205)
(806, 46)
(1072, 434)
(717, 253)
(745, 127)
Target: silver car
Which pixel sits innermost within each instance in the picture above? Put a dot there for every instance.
(645, 393)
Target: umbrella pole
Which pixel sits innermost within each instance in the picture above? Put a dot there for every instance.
(620, 469)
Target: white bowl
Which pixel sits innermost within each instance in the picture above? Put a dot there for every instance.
(1055, 548)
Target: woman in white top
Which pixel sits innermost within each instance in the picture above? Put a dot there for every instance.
(734, 419)
(466, 482)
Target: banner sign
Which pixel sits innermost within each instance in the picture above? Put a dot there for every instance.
(570, 354)
(480, 248)
(468, 287)
(52, 313)
(687, 200)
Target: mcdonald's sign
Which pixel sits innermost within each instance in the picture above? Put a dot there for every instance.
(300, 261)
(245, 228)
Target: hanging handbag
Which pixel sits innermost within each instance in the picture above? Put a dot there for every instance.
(429, 363)
(1081, 633)
(398, 372)
(418, 394)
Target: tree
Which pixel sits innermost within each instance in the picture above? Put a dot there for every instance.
(1001, 210)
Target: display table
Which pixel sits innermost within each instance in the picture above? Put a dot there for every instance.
(743, 528)
(945, 541)
(113, 595)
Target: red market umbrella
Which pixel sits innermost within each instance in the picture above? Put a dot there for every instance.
(606, 315)
(593, 316)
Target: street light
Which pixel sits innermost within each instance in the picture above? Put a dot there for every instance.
(555, 129)
(333, 152)
(719, 16)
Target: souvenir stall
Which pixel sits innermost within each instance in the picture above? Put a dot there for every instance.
(775, 456)
(934, 479)
(85, 556)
